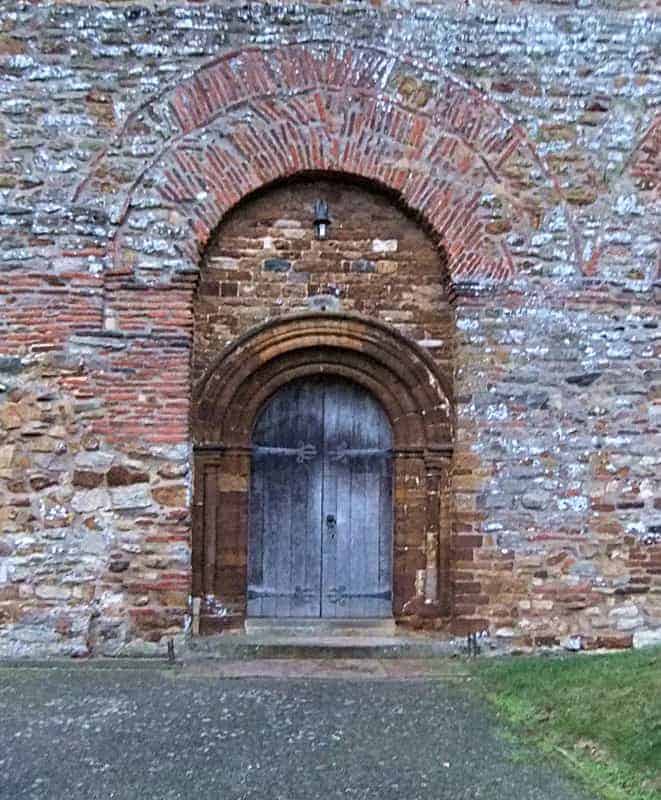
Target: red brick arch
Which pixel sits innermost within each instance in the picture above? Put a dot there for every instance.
(262, 114)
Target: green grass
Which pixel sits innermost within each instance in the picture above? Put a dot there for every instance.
(599, 715)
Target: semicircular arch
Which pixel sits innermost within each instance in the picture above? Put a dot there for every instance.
(403, 378)
(261, 114)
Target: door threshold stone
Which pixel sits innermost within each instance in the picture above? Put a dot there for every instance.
(283, 645)
(314, 627)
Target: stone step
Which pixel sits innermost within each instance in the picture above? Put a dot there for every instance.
(251, 646)
(307, 627)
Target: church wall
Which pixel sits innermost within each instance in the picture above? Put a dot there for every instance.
(556, 510)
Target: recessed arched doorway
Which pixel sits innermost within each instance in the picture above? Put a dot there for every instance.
(366, 303)
(321, 503)
(236, 411)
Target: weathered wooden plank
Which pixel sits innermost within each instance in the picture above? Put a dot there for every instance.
(321, 503)
(357, 453)
(287, 471)
(277, 529)
(333, 512)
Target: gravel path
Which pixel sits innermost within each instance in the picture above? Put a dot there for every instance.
(153, 733)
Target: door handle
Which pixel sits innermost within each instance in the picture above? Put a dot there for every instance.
(331, 526)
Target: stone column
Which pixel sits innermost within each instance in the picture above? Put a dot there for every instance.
(437, 532)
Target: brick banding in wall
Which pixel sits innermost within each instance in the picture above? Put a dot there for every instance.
(535, 172)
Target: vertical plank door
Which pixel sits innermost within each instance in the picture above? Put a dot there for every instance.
(320, 540)
(357, 505)
(284, 551)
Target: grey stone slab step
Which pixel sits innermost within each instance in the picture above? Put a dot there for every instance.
(320, 627)
(247, 646)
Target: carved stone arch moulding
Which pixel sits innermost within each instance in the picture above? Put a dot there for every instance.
(261, 114)
(401, 375)
(412, 392)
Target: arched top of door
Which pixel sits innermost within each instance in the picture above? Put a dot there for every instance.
(401, 375)
(311, 407)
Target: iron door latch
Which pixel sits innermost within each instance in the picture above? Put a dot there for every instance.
(331, 526)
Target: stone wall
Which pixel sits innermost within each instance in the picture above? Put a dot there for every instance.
(525, 137)
(562, 482)
(264, 262)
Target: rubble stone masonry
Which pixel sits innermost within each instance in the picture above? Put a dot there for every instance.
(493, 171)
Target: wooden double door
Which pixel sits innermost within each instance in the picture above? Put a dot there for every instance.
(321, 508)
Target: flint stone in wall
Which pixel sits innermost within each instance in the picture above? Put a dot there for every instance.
(173, 470)
(584, 569)
(384, 246)
(517, 487)
(94, 460)
(277, 265)
(626, 617)
(79, 221)
(49, 591)
(93, 543)
(91, 500)
(524, 471)
(654, 415)
(174, 452)
(10, 365)
(628, 624)
(496, 500)
(130, 497)
(647, 638)
(55, 533)
(535, 501)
